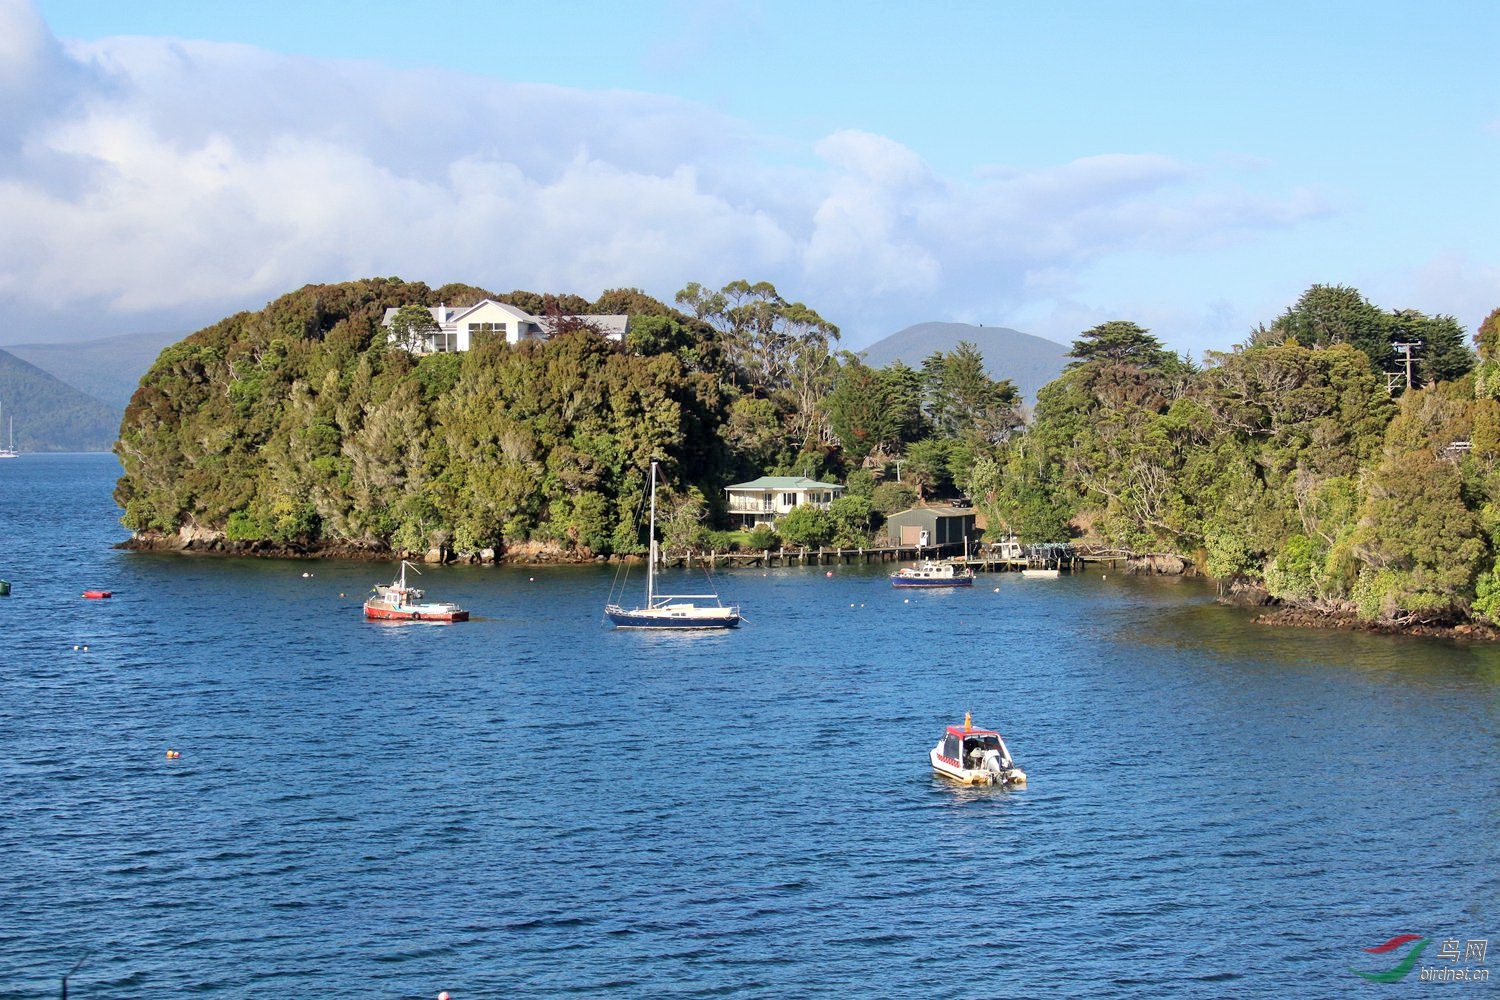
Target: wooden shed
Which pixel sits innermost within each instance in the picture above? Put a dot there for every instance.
(935, 526)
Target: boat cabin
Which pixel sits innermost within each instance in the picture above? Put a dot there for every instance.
(965, 748)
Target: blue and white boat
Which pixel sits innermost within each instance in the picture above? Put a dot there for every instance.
(932, 574)
(677, 611)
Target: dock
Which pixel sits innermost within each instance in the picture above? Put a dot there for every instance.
(996, 559)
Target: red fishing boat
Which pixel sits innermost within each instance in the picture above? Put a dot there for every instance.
(95, 595)
(397, 601)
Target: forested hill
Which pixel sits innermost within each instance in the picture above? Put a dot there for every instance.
(299, 424)
(1297, 462)
(108, 369)
(50, 415)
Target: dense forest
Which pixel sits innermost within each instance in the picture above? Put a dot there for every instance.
(1300, 462)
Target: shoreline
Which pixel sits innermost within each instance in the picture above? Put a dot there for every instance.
(205, 543)
(1287, 616)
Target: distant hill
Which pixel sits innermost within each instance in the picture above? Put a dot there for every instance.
(108, 369)
(1030, 362)
(49, 414)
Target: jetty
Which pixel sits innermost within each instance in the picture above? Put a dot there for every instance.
(1003, 557)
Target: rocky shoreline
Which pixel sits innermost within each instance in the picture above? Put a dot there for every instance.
(199, 541)
(1299, 617)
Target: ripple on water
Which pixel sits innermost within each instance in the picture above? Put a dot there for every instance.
(529, 804)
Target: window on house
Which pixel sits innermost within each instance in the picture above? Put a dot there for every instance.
(788, 499)
(444, 342)
(484, 331)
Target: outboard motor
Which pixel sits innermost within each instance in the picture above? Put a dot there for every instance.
(1002, 770)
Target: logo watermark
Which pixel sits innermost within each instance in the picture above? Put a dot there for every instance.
(1472, 953)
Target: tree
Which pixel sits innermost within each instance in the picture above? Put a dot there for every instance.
(1443, 355)
(853, 519)
(860, 411)
(962, 399)
(1487, 340)
(903, 393)
(764, 333)
(1120, 342)
(1336, 314)
(1487, 337)
(411, 326)
(926, 465)
(890, 498)
(805, 525)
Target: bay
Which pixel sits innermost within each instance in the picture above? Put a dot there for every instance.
(533, 804)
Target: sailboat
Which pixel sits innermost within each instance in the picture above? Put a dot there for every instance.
(671, 610)
(9, 451)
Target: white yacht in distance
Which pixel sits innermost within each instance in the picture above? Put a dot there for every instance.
(9, 451)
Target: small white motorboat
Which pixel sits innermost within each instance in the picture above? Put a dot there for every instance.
(975, 757)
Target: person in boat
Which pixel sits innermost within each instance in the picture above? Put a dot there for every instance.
(978, 746)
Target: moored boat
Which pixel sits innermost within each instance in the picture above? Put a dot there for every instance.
(674, 611)
(975, 757)
(9, 451)
(397, 601)
(933, 574)
(96, 595)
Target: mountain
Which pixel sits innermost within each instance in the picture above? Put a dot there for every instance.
(51, 415)
(107, 369)
(1030, 362)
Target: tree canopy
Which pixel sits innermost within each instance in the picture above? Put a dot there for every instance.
(1291, 460)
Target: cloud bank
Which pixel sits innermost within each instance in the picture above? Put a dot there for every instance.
(162, 182)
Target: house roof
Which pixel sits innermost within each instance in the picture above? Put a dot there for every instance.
(609, 325)
(784, 483)
(457, 314)
(933, 512)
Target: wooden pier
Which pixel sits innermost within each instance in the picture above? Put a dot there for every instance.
(1058, 557)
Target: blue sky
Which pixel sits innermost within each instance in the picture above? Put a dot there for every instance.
(1046, 166)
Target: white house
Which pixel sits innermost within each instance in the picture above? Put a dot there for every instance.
(762, 500)
(459, 328)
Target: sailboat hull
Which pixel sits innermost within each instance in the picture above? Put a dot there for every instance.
(676, 616)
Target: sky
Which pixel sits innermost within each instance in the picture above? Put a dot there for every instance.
(1047, 166)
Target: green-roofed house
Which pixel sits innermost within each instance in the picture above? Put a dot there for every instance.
(763, 500)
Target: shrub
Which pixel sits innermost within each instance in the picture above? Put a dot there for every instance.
(721, 541)
(890, 498)
(762, 537)
(806, 526)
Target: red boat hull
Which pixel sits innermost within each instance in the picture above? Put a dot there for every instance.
(95, 595)
(414, 615)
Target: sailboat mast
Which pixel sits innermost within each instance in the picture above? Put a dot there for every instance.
(651, 553)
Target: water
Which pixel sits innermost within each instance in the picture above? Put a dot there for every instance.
(530, 804)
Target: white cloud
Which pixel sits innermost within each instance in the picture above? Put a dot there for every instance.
(171, 180)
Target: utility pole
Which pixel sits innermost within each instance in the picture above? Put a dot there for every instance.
(1406, 348)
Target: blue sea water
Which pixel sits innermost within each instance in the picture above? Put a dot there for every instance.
(532, 805)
